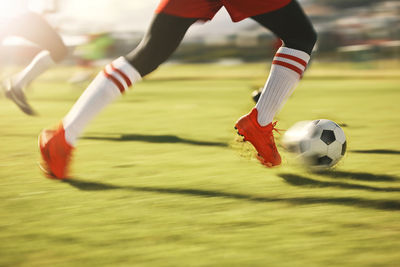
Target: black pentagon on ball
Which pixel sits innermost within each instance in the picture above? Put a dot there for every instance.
(344, 147)
(328, 137)
(324, 161)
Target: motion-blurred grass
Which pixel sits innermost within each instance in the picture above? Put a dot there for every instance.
(159, 178)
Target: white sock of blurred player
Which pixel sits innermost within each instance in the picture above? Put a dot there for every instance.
(286, 71)
(38, 65)
(109, 84)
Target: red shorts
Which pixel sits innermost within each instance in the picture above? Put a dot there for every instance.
(206, 9)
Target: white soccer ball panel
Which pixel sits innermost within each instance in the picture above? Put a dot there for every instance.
(327, 124)
(315, 132)
(318, 147)
(340, 136)
(335, 150)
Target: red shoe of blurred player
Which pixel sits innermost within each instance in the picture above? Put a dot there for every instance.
(56, 152)
(261, 137)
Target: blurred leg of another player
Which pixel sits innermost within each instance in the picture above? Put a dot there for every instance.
(35, 29)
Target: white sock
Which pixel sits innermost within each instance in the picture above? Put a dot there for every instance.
(286, 71)
(110, 83)
(38, 65)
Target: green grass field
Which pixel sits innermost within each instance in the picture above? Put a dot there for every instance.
(159, 178)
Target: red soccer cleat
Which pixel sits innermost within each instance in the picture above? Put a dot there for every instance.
(56, 152)
(261, 137)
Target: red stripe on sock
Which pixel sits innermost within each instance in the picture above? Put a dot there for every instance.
(298, 60)
(123, 75)
(115, 81)
(289, 66)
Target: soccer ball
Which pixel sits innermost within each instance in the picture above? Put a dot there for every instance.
(318, 144)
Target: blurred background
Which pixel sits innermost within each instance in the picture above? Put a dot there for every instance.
(349, 30)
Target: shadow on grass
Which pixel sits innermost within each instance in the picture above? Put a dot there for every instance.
(155, 139)
(360, 176)
(377, 151)
(344, 201)
(304, 181)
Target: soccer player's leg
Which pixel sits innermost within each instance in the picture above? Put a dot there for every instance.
(160, 41)
(163, 37)
(34, 28)
(16, 95)
(293, 27)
